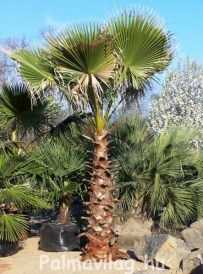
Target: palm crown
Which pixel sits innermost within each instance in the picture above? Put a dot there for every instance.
(84, 59)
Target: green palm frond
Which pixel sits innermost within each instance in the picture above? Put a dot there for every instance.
(35, 67)
(144, 47)
(61, 189)
(6, 146)
(14, 166)
(17, 195)
(21, 197)
(62, 159)
(83, 58)
(179, 207)
(128, 197)
(10, 167)
(15, 182)
(17, 111)
(63, 165)
(13, 227)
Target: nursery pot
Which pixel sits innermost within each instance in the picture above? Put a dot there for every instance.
(8, 248)
(59, 237)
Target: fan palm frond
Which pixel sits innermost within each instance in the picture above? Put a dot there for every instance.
(21, 197)
(62, 159)
(35, 67)
(84, 58)
(17, 112)
(63, 165)
(13, 227)
(143, 45)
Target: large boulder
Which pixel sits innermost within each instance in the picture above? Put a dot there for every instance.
(132, 229)
(193, 235)
(163, 249)
(193, 262)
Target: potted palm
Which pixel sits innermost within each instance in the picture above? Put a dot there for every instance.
(63, 169)
(16, 196)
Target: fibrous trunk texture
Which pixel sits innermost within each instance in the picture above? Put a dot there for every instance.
(102, 240)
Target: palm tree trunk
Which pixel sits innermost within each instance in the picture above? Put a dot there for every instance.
(102, 240)
(14, 135)
(64, 215)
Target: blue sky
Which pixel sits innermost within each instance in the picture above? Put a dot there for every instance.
(184, 18)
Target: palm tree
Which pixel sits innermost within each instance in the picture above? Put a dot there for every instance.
(17, 114)
(62, 168)
(94, 65)
(160, 175)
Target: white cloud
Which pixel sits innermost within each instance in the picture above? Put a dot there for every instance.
(49, 21)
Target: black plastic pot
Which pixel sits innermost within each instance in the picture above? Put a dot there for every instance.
(59, 237)
(8, 248)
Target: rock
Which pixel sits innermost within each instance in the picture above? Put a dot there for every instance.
(193, 262)
(164, 249)
(158, 271)
(152, 271)
(198, 224)
(131, 229)
(193, 235)
(197, 270)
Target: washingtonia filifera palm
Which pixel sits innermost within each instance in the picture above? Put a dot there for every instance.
(94, 65)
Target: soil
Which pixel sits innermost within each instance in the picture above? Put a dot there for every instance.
(27, 261)
(4, 267)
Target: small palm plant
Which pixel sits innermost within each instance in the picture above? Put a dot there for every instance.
(161, 174)
(16, 196)
(62, 169)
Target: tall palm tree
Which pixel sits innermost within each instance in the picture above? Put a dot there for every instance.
(94, 65)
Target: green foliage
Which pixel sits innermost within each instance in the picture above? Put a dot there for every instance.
(71, 125)
(86, 61)
(161, 175)
(94, 65)
(63, 165)
(16, 195)
(13, 227)
(18, 113)
(143, 47)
